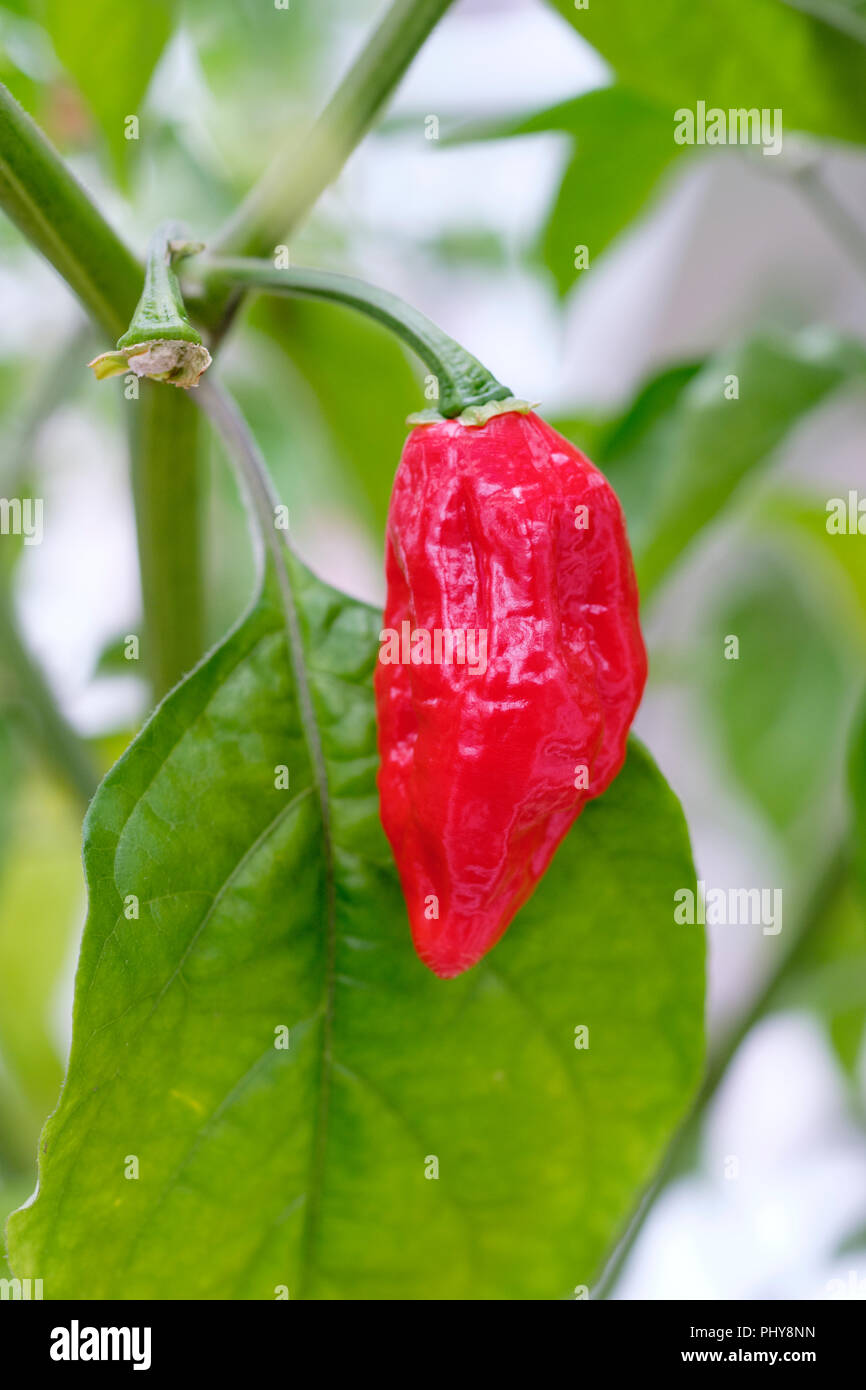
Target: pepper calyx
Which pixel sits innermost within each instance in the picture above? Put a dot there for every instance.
(475, 416)
(160, 341)
(178, 361)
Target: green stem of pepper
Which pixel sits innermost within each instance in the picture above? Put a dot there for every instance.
(160, 341)
(463, 382)
(57, 217)
(161, 312)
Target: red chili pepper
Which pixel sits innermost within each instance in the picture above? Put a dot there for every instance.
(505, 535)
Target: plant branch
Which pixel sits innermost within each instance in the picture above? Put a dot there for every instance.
(56, 215)
(243, 452)
(463, 383)
(302, 171)
(684, 1142)
(166, 485)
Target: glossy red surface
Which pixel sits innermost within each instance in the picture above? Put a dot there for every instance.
(478, 770)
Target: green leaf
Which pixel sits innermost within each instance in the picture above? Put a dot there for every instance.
(782, 707)
(801, 525)
(262, 908)
(731, 54)
(624, 145)
(827, 974)
(630, 435)
(110, 51)
(632, 445)
(677, 469)
(847, 1029)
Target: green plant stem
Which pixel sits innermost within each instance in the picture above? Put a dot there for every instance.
(463, 382)
(56, 215)
(166, 486)
(160, 312)
(687, 1137)
(305, 168)
(300, 173)
(60, 744)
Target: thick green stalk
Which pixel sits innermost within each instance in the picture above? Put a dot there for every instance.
(463, 382)
(308, 165)
(161, 312)
(301, 172)
(160, 342)
(166, 485)
(56, 215)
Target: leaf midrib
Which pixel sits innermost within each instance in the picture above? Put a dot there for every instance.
(312, 1212)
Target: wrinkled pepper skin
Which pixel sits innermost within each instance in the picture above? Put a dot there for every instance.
(478, 774)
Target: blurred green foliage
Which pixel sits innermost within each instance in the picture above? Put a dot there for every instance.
(732, 53)
(326, 395)
(790, 687)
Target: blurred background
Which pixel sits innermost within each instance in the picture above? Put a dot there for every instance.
(706, 266)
